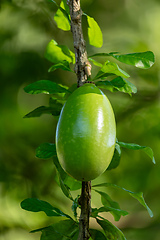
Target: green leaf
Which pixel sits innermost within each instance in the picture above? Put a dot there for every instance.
(44, 86)
(94, 33)
(95, 62)
(111, 231)
(117, 84)
(111, 206)
(66, 182)
(138, 196)
(141, 60)
(134, 146)
(58, 53)
(116, 158)
(46, 150)
(97, 235)
(110, 68)
(75, 205)
(62, 65)
(36, 205)
(61, 17)
(62, 230)
(42, 110)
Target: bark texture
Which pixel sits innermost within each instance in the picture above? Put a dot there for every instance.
(82, 66)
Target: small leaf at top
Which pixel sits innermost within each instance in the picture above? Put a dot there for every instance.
(94, 33)
(110, 68)
(46, 150)
(117, 84)
(61, 17)
(58, 53)
(141, 60)
(62, 65)
(134, 146)
(45, 86)
(36, 205)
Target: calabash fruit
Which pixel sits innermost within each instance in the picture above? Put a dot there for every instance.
(86, 133)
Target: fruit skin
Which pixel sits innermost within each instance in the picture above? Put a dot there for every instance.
(86, 133)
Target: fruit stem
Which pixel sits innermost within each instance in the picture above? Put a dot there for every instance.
(85, 202)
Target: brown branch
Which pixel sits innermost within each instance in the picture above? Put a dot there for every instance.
(85, 202)
(82, 66)
(83, 70)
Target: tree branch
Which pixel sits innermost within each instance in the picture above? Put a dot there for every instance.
(83, 71)
(85, 202)
(82, 66)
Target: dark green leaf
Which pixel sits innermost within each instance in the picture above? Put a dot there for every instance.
(61, 17)
(58, 53)
(42, 110)
(61, 230)
(117, 84)
(116, 158)
(110, 68)
(141, 60)
(71, 183)
(138, 196)
(111, 231)
(110, 205)
(36, 205)
(134, 146)
(75, 205)
(45, 86)
(46, 150)
(97, 235)
(94, 33)
(63, 65)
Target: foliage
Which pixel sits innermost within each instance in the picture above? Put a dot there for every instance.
(111, 77)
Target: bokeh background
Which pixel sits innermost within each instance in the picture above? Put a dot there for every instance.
(26, 26)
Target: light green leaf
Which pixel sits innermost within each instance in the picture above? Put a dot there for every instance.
(138, 196)
(45, 86)
(95, 62)
(58, 53)
(62, 65)
(141, 60)
(36, 205)
(116, 158)
(111, 231)
(134, 146)
(61, 17)
(117, 84)
(110, 68)
(42, 110)
(46, 150)
(94, 33)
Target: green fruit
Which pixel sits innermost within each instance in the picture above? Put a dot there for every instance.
(86, 133)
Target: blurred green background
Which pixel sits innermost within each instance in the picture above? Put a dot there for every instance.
(26, 26)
